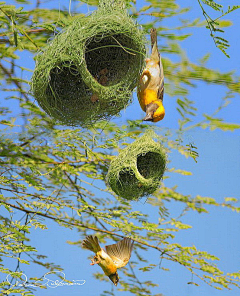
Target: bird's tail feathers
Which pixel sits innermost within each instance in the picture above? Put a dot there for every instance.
(91, 243)
(155, 53)
(153, 34)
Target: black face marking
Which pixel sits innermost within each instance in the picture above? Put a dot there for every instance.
(114, 278)
(148, 117)
(150, 110)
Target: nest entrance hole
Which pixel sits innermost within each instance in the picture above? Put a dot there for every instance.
(127, 178)
(67, 95)
(109, 58)
(128, 185)
(150, 165)
(66, 83)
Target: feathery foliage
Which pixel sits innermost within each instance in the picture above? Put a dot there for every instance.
(53, 173)
(214, 25)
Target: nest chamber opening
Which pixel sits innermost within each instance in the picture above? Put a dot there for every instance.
(138, 169)
(66, 93)
(151, 165)
(128, 185)
(110, 58)
(88, 71)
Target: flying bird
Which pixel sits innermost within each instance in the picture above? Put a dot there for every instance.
(115, 256)
(151, 85)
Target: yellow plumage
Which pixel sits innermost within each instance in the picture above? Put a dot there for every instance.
(151, 84)
(147, 96)
(115, 256)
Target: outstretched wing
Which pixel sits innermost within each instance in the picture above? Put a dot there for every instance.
(120, 252)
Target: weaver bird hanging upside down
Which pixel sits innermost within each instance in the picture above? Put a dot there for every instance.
(115, 256)
(151, 84)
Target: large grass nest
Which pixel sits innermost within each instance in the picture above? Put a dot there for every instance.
(88, 72)
(138, 169)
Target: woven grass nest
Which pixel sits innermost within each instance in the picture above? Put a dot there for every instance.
(87, 73)
(138, 169)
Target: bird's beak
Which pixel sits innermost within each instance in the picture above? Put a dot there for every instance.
(148, 117)
(114, 278)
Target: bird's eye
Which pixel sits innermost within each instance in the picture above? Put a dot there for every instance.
(145, 79)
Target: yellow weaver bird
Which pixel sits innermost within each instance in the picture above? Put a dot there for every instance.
(151, 85)
(115, 256)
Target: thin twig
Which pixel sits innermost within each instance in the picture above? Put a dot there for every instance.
(140, 284)
(181, 75)
(80, 195)
(8, 73)
(81, 225)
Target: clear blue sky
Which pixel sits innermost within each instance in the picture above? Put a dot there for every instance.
(216, 174)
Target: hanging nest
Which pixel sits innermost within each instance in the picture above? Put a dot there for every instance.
(138, 169)
(88, 72)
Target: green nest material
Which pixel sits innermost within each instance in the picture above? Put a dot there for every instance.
(138, 169)
(87, 73)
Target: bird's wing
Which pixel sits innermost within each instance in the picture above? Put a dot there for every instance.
(161, 85)
(120, 252)
(156, 56)
(161, 88)
(91, 243)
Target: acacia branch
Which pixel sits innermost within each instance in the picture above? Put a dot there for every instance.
(80, 195)
(132, 270)
(8, 73)
(35, 196)
(207, 17)
(2, 41)
(181, 75)
(43, 161)
(39, 30)
(78, 225)
(158, 14)
(81, 225)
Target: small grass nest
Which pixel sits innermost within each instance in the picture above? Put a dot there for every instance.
(138, 169)
(88, 72)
